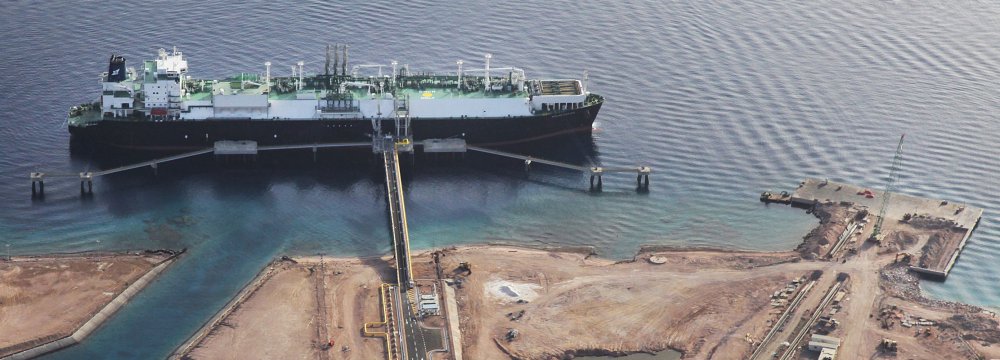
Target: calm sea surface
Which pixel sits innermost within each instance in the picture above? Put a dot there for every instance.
(724, 99)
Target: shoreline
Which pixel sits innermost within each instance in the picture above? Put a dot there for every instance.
(725, 260)
(586, 250)
(102, 315)
(690, 257)
(97, 254)
(836, 239)
(242, 296)
(296, 307)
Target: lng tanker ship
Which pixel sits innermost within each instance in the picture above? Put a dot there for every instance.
(160, 107)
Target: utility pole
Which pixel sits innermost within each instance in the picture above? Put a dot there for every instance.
(889, 187)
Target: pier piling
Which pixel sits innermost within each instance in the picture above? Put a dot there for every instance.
(642, 178)
(87, 177)
(37, 177)
(596, 172)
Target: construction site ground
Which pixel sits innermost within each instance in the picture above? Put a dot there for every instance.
(555, 304)
(707, 304)
(941, 225)
(716, 304)
(701, 303)
(46, 298)
(282, 318)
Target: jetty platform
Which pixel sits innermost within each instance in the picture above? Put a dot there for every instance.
(952, 222)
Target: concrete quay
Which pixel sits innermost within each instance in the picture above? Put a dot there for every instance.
(951, 223)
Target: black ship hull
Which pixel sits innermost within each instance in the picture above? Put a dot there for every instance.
(176, 136)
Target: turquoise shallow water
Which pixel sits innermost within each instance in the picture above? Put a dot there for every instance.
(723, 99)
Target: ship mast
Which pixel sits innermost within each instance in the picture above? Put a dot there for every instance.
(459, 74)
(267, 76)
(393, 81)
(487, 71)
(336, 58)
(343, 65)
(326, 65)
(300, 75)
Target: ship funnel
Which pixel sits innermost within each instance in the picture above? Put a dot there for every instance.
(116, 69)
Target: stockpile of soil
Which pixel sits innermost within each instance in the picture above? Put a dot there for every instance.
(817, 242)
(898, 241)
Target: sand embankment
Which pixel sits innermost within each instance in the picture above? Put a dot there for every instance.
(281, 314)
(47, 298)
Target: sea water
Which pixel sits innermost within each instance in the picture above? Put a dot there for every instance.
(723, 99)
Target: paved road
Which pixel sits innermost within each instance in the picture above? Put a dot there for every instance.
(419, 341)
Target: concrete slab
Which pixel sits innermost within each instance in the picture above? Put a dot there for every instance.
(957, 218)
(444, 146)
(242, 147)
(815, 190)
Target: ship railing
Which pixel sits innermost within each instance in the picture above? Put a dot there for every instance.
(339, 109)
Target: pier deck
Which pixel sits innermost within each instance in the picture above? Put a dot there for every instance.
(956, 221)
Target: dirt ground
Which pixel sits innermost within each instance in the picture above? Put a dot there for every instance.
(282, 320)
(957, 334)
(47, 298)
(879, 282)
(277, 321)
(701, 303)
(938, 251)
(707, 304)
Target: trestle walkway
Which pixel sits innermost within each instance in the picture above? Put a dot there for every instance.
(596, 172)
(86, 178)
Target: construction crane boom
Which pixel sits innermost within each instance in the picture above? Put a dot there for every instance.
(889, 187)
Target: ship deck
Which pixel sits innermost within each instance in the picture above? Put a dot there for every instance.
(427, 93)
(449, 93)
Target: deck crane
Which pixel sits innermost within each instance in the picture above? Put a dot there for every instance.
(889, 186)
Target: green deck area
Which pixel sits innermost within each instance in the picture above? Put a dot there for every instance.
(426, 90)
(199, 96)
(320, 87)
(281, 96)
(457, 94)
(84, 117)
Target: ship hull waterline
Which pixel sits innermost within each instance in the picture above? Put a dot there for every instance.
(178, 136)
